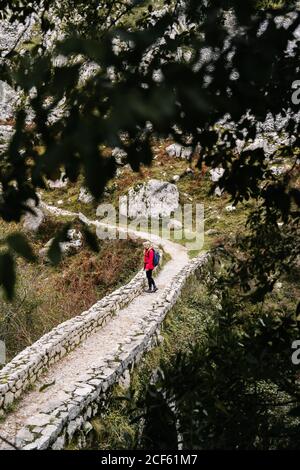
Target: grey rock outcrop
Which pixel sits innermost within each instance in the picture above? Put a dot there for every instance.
(216, 174)
(6, 133)
(69, 247)
(85, 196)
(152, 199)
(120, 156)
(74, 242)
(230, 208)
(178, 151)
(8, 101)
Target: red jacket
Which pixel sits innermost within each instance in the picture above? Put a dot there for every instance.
(148, 259)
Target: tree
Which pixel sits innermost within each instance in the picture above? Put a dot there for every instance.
(247, 75)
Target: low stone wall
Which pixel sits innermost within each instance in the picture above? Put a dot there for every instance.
(25, 368)
(55, 427)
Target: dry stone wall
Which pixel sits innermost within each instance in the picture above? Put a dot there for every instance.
(25, 368)
(56, 426)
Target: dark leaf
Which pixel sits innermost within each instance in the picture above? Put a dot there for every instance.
(7, 274)
(55, 252)
(91, 239)
(19, 244)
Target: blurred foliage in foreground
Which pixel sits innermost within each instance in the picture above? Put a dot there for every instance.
(247, 74)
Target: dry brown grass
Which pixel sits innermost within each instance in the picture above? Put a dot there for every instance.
(47, 296)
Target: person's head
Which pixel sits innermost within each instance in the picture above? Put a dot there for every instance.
(147, 245)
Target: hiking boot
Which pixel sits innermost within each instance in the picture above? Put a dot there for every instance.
(148, 291)
(155, 289)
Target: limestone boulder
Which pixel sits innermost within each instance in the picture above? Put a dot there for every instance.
(179, 151)
(73, 245)
(8, 100)
(6, 133)
(85, 196)
(278, 170)
(216, 174)
(175, 178)
(154, 198)
(230, 208)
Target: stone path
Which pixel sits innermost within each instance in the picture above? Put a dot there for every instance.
(60, 378)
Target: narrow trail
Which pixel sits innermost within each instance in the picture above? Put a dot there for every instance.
(95, 350)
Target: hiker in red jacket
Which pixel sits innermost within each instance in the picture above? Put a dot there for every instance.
(149, 266)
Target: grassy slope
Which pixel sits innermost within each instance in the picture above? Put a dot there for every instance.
(60, 293)
(47, 295)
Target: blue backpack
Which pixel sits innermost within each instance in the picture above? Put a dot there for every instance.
(156, 258)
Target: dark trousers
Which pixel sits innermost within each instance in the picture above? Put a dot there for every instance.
(150, 279)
